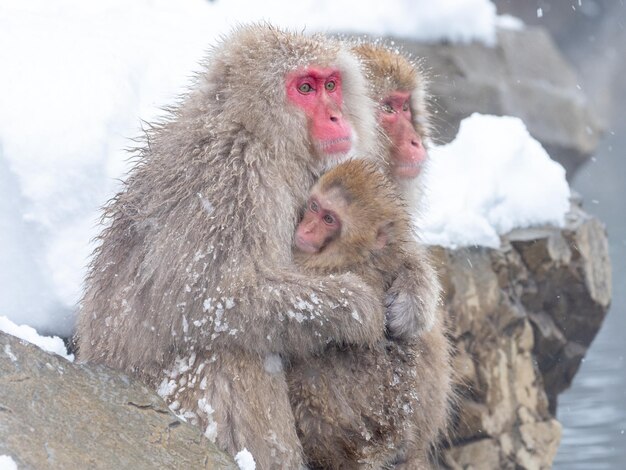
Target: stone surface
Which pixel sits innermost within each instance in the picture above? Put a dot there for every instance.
(56, 414)
(521, 318)
(567, 295)
(524, 75)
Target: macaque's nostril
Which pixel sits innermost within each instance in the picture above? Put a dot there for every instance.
(334, 118)
(415, 143)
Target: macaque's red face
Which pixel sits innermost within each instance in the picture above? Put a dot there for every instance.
(408, 153)
(318, 227)
(318, 92)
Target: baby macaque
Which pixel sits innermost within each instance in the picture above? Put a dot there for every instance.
(359, 406)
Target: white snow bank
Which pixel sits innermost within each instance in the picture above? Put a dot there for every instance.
(7, 463)
(76, 79)
(492, 178)
(245, 461)
(52, 344)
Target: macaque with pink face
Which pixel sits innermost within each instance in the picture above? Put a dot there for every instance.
(399, 88)
(321, 223)
(342, 226)
(407, 152)
(319, 93)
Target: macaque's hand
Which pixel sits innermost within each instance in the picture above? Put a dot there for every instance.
(411, 306)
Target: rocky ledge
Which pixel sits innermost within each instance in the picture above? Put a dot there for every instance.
(56, 414)
(521, 318)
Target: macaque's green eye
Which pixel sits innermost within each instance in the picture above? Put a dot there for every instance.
(313, 206)
(330, 86)
(387, 108)
(329, 219)
(405, 106)
(305, 88)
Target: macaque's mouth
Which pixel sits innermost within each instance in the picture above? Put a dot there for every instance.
(338, 145)
(408, 170)
(305, 247)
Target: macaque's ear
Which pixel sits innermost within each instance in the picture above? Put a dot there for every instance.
(383, 237)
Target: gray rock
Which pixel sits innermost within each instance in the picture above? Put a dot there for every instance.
(521, 318)
(56, 414)
(568, 294)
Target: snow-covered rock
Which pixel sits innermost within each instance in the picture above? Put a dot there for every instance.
(492, 178)
(52, 344)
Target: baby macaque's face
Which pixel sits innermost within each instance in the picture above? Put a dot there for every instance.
(321, 223)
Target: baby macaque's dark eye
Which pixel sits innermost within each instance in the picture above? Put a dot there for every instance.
(313, 206)
(388, 108)
(329, 219)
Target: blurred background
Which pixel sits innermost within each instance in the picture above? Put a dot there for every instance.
(77, 78)
(592, 37)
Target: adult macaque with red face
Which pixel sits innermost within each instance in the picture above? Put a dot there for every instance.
(399, 88)
(408, 152)
(193, 288)
(319, 93)
(377, 406)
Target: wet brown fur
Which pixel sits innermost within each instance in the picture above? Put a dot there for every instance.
(383, 405)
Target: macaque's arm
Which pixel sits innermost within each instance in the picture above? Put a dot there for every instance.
(412, 300)
(286, 312)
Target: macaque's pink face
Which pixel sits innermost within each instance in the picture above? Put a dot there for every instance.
(318, 227)
(318, 92)
(408, 152)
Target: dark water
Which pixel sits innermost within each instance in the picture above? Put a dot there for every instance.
(593, 411)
